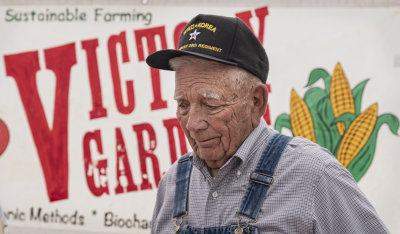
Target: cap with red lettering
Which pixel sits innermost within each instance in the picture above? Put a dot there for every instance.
(222, 39)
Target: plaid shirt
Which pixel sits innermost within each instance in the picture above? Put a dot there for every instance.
(312, 192)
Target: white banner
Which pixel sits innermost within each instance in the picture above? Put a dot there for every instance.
(87, 129)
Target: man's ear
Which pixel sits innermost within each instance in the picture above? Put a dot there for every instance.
(260, 101)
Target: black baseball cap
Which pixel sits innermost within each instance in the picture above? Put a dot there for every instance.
(222, 39)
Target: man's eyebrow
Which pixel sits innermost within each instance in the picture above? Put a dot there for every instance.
(206, 95)
(178, 97)
(210, 95)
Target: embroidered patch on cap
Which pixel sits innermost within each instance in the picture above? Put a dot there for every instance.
(193, 35)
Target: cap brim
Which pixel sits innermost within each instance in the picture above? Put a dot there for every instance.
(160, 59)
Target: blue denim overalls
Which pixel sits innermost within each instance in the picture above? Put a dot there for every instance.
(259, 181)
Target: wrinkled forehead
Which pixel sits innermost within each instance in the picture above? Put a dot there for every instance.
(206, 81)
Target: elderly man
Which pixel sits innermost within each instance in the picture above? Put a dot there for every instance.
(242, 176)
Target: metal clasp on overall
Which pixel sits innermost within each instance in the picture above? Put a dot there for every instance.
(239, 229)
(177, 227)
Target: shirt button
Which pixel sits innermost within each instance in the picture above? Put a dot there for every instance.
(238, 173)
(215, 194)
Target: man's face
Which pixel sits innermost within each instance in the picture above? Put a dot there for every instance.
(214, 115)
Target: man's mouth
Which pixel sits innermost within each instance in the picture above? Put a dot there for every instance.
(207, 142)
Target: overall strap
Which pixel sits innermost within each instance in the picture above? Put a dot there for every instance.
(182, 186)
(262, 177)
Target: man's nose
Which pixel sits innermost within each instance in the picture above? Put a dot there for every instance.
(197, 120)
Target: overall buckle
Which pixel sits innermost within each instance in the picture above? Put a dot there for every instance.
(239, 229)
(177, 227)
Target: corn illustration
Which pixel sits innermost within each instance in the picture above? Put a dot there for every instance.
(300, 117)
(353, 147)
(357, 135)
(341, 96)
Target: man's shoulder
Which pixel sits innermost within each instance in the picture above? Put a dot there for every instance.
(305, 163)
(305, 155)
(170, 175)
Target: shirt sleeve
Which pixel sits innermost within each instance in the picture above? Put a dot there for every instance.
(158, 205)
(163, 209)
(341, 207)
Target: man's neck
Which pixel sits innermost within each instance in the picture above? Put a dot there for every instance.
(213, 172)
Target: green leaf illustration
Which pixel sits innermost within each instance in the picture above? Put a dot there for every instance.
(346, 118)
(361, 162)
(391, 120)
(312, 97)
(317, 74)
(328, 130)
(283, 120)
(357, 95)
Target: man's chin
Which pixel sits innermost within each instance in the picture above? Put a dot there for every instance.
(209, 154)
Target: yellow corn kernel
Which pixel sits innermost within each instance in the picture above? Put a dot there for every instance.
(341, 96)
(300, 118)
(357, 135)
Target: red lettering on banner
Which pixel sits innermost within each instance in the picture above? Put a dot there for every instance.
(267, 115)
(112, 52)
(51, 139)
(177, 33)
(98, 109)
(261, 13)
(126, 169)
(51, 144)
(150, 35)
(170, 125)
(95, 172)
(145, 154)
(4, 137)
